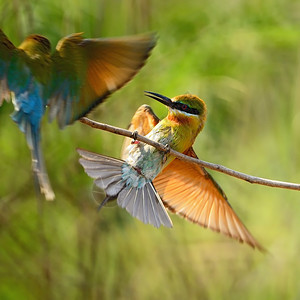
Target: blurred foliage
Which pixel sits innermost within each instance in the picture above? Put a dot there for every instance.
(243, 58)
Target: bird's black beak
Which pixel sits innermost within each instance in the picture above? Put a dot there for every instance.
(162, 99)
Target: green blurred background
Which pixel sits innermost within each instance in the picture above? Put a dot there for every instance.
(242, 57)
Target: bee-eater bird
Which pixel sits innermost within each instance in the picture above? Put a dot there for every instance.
(72, 81)
(148, 180)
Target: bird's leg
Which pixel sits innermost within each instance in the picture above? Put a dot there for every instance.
(166, 153)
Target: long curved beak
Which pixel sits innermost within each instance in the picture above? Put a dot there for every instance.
(162, 99)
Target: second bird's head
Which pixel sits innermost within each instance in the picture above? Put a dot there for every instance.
(186, 109)
(36, 44)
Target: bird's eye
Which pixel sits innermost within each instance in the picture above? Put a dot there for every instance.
(184, 106)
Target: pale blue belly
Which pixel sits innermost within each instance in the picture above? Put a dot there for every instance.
(146, 159)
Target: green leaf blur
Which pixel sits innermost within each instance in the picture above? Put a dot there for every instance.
(242, 57)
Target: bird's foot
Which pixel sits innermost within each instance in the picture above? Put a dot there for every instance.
(167, 148)
(134, 134)
(134, 137)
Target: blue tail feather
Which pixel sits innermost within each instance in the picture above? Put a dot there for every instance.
(29, 109)
(38, 164)
(133, 192)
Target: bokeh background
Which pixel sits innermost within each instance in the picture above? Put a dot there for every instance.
(242, 57)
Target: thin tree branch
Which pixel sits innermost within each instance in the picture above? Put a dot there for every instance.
(212, 166)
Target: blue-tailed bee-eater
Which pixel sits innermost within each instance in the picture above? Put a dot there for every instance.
(147, 181)
(72, 81)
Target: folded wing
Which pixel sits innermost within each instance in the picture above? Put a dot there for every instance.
(143, 122)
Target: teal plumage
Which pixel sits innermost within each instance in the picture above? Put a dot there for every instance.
(79, 75)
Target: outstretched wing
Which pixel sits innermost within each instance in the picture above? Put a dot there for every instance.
(189, 191)
(143, 122)
(86, 71)
(6, 53)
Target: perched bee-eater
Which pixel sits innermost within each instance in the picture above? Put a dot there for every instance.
(79, 75)
(148, 180)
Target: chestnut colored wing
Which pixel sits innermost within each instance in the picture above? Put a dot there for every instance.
(86, 71)
(188, 190)
(143, 122)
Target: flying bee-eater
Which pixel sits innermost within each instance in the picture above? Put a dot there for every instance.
(147, 180)
(72, 81)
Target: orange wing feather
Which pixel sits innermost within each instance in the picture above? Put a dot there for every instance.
(143, 122)
(86, 71)
(189, 191)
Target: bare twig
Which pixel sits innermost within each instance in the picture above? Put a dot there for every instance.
(212, 166)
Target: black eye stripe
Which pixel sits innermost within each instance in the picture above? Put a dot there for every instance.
(186, 108)
(194, 111)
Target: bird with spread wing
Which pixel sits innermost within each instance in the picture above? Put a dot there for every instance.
(147, 180)
(72, 81)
